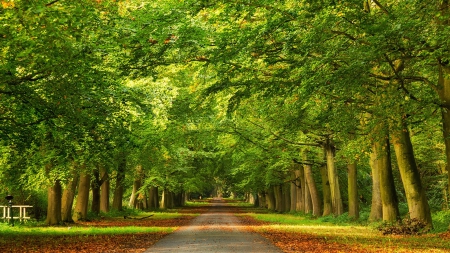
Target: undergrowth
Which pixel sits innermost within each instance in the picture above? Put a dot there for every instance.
(406, 226)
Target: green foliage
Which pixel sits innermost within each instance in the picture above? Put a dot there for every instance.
(441, 221)
(204, 95)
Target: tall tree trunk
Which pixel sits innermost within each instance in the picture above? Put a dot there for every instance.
(120, 178)
(443, 87)
(104, 191)
(300, 176)
(136, 186)
(415, 193)
(167, 199)
(262, 199)
(336, 199)
(95, 186)
(153, 198)
(67, 198)
(307, 197)
(376, 208)
(270, 197)
(100, 178)
(133, 203)
(312, 190)
(387, 186)
(353, 200)
(279, 205)
(81, 207)
(326, 191)
(54, 204)
(293, 190)
(287, 196)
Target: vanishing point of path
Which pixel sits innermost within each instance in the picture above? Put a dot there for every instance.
(217, 230)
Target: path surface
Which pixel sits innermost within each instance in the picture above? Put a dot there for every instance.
(218, 230)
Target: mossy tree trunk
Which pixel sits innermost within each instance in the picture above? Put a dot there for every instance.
(120, 178)
(81, 207)
(54, 203)
(67, 198)
(299, 182)
(336, 199)
(312, 189)
(153, 197)
(326, 191)
(104, 191)
(376, 207)
(389, 199)
(270, 197)
(353, 200)
(415, 193)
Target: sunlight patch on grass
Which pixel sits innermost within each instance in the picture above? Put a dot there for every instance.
(196, 203)
(284, 219)
(23, 231)
(320, 230)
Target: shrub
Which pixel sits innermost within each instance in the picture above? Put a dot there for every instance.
(405, 227)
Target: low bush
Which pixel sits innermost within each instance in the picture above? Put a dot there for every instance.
(405, 227)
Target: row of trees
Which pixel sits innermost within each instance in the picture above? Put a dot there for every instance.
(263, 97)
(88, 92)
(351, 79)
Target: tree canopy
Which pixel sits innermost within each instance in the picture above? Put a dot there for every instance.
(258, 99)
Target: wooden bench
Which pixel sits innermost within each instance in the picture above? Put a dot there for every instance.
(22, 212)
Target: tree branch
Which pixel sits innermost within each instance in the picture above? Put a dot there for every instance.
(284, 139)
(381, 7)
(51, 3)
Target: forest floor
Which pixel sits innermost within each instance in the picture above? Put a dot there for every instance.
(288, 238)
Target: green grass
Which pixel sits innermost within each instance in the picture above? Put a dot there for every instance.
(6, 230)
(196, 203)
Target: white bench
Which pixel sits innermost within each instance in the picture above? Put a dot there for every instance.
(22, 212)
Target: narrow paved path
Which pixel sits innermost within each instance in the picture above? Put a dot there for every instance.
(218, 230)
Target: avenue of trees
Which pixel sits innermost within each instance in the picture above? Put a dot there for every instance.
(322, 107)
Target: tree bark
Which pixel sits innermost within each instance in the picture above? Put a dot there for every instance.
(293, 190)
(286, 190)
(336, 199)
(136, 186)
(376, 208)
(300, 181)
(262, 199)
(443, 90)
(326, 191)
(387, 186)
(120, 178)
(54, 204)
(167, 199)
(153, 198)
(444, 95)
(270, 197)
(67, 198)
(415, 193)
(353, 200)
(104, 191)
(95, 186)
(81, 207)
(312, 190)
(307, 197)
(279, 205)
